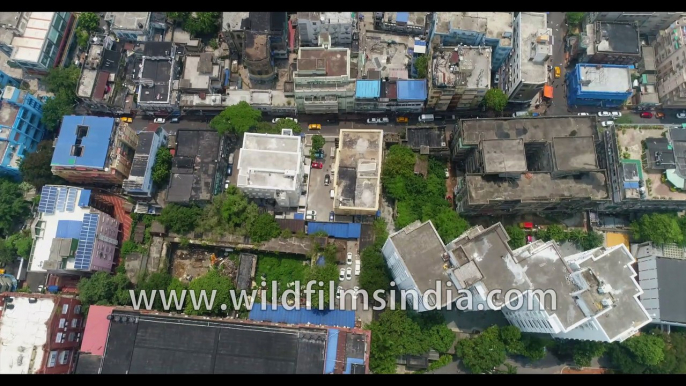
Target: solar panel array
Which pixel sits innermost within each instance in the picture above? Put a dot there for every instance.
(57, 199)
(84, 251)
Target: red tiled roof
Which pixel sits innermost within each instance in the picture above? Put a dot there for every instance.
(340, 353)
(97, 327)
(101, 85)
(119, 214)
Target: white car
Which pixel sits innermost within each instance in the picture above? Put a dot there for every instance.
(607, 123)
(338, 292)
(681, 115)
(372, 120)
(356, 289)
(604, 114)
(447, 173)
(348, 273)
(159, 120)
(312, 213)
(310, 217)
(583, 114)
(383, 120)
(616, 114)
(341, 275)
(349, 259)
(277, 119)
(357, 267)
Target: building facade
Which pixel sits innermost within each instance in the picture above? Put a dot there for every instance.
(610, 43)
(525, 73)
(493, 29)
(396, 96)
(130, 26)
(603, 85)
(7, 80)
(201, 74)
(405, 23)
(649, 23)
(670, 48)
(322, 81)
(21, 128)
(271, 167)
(458, 77)
(258, 58)
(40, 40)
(94, 150)
(41, 334)
(357, 181)
(139, 184)
(156, 75)
(338, 25)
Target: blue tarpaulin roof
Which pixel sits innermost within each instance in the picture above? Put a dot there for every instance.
(412, 90)
(227, 77)
(331, 348)
(351, 362)
(368, 89)
(68, 229)
(336, 230)
(337, 318)
(299, 216)
(321, 261)
(84, 200)
(94, 144)
(402, 17)
(631, 185)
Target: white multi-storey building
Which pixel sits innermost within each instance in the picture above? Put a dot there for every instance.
(525, 73)
(591, 295)
(272, 167)
(649, 23)
(339, 25)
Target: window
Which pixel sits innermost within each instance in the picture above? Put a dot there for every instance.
(78, 337)
(65, 309)
(77, 309)
(64, 357)
(62, 322)
(71, 337)
(58, 338)
(74, 323)
(52, 359)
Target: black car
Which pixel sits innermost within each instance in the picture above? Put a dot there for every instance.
(331, 216)
(327, 180)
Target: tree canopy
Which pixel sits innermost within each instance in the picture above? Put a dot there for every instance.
(162, 167)
(374, 273)
(105, 289)
(495, 99)
(211, 281)
(317, 142)
(89, 22)
(35, 167)
(13, 207)
(180, 219)
(236, 119)
(574, 18)
(326, 274)
(197, 23)
(517, 236)
(482, 353)
(660, 228)
(287, 124)
(422, 66)
(62, 82)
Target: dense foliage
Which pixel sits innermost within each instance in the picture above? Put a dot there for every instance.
(210, 283)
(584, 240)
(87, 23)
(517, 236)
(281, 270)
(236, 119)
(660, 228)
(62, 82)
(421, 64)
(13, 207)
(574, 18)
(35, 167)
(197, 23)
(180, 219)
(495, 99)
(105, 289)
(162, 167)
(374, 275)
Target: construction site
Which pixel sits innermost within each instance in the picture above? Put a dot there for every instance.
(388, 55)
(194, 261)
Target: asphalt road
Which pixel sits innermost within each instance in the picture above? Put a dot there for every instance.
(559, 104)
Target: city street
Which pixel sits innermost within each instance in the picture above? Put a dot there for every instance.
(559, 104)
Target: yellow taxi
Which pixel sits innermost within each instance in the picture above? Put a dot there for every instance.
(402, 120)
(314, 126)
(127, 120)
(558, 72)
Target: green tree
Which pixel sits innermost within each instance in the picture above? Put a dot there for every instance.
(582, 352)
(591, 240)
(495, 99)
(21, 243)
(394, 334)
(157, 281)
(162, 167)
(236, 119)
(82, 39)
(7, 252)
(13, 208)
(57, 107)
(449, 224)
(647, 349)
(575, 18)
(287, 124)
(326, 274)
(202, 23)
(399, 161)
(435, 333)
(180, 219)
(35, 167)
(88, 22)
(264, 228)
(63, 79)
(675, 353)
(374, 274)
(659, 228)
(517, 236)
(317, 142)
(209, 283)
(104, 289)
(553, 232)
(179, 17)
(483, 353)
(177, 287)
(422, 66)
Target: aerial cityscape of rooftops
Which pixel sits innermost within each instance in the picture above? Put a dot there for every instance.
(342, 192)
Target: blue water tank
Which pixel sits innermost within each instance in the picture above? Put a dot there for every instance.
(53, 289)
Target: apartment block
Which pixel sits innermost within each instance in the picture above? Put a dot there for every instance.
(649, 23)
(458, 77)
(399, 96)
(601, 85)
(322, 81)
(338, 25)
(610, 43)
(139, 184)
(671, 75)
(21, 128)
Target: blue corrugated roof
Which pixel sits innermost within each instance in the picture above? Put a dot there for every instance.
(68, 229)
(367, 89)
(337, 318)
(299, 216)
(419, 42)
(351, 362)
(84, 200)
(412, 90)
(402, 17)
(331, 349)
(336, 230)
(631, 185)
(94, 144)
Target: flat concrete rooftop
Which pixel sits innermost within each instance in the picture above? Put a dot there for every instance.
(532, 71)
(620, 38)
(414, 18)
(536, 187)
(333, 61)
(234, 21)
(129, 20)
(605, 79)
(382, 46)
(358, 164)
(198, 69)
(7, 19)
(422, 251)
(575, 153)
(492, 24)
(473, 63)
(503, 155)
(529, 129)
(269, 161)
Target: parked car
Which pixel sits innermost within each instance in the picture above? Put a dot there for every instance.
(229, 171)
(158, 120)
(681, 115)
(402, 120)
(310, 217)
(529, 239)
(319, 154)
(447, 173)
(607, 123)
(312, 212)
(314, 126)
(339, 289)
(317, 165)
(129, 120)
(616, 114)
(646, 114)
(604, 114)
(659, 115)
(348, 273)
(356, 289)
(331, 193)
(341, 275)
(357, 267)
(497, 79)
(289, 118)
(327, 180)
(383, 120)
(349, 258)
(583, 114)
(558, 72)
(332, 216)
(372, 120)
(174, 120)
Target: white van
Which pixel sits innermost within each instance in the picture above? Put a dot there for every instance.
(520, 114)
(426, 118)
(331, 194)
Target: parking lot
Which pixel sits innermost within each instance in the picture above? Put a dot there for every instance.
(318, 196)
